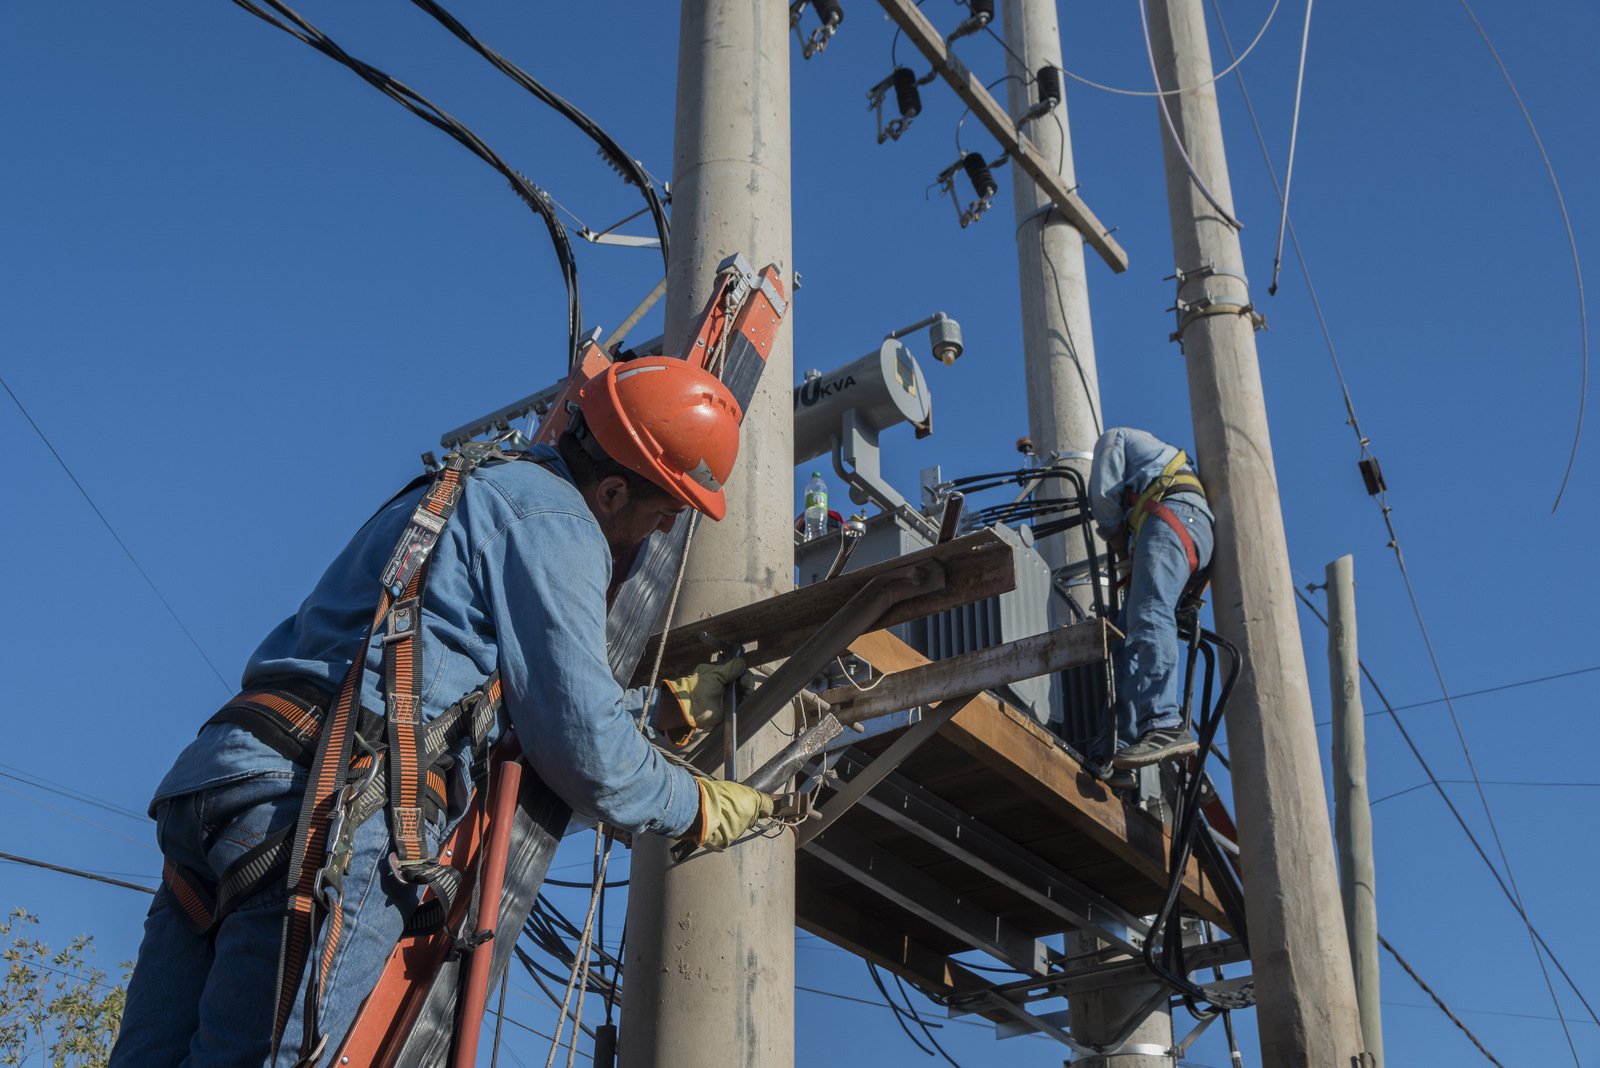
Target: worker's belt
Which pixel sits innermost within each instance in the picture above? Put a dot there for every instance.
(1178, 476)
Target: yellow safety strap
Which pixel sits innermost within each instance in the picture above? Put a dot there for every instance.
(1169, 481)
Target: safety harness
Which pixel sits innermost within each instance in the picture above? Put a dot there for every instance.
(360, 762)
(1178, 476)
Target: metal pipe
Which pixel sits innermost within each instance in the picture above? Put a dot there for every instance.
(769, 777)
(952, 516)
(849, 537)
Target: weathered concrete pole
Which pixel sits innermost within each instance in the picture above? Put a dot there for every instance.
(710, 959)
(1057, 337)
(1352, 815)
(1307, 1011)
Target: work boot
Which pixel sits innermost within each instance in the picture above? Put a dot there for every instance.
(1156, 745)
(1121, 779)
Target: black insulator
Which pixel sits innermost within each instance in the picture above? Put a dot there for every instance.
(982, 10)
(978, 171)
(1049, 82)
(831, 12)
(906, 94)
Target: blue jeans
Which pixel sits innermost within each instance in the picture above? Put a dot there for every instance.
(1149, 672)
(206, 1001)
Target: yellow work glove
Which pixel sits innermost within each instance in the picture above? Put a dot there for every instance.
(727, 810)
(694, 702)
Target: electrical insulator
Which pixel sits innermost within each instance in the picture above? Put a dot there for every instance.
(982, 10)
(831, 12)
(1048, 81)
(982, 181)
(906, 95)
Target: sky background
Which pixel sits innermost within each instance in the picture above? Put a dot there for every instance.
(241, 292)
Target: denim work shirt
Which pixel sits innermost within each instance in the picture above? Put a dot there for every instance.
(1125, 461)
(518, 581)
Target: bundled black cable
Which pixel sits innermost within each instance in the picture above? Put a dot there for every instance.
(625, 164)
(292, 23)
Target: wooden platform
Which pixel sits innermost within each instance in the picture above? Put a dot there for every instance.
(1000, 768)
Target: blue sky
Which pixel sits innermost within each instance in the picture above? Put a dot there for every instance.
(241, 292)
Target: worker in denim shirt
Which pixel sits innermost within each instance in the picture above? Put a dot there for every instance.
(518, 582)
(1149, 506)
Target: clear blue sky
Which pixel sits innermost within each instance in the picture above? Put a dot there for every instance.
(241, 292)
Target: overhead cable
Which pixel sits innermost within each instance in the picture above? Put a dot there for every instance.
(1166, 115)
(1513, 892)
(13, 858)
(118, 538)
(39, 782)
(80, 819)
(433, 115)
(1436, 783)
(1426, 989)
(1288, 171)
(1572, 242)
(1163, 92)
(625, 164)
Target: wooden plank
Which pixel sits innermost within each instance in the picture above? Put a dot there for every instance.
(1026, 756)
(920, 32)
(986, 669)
(979, 565)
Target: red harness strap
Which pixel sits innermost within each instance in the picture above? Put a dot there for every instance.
(1163, 513)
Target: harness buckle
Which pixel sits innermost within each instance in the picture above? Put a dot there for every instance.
(342, 832)
(403, 621)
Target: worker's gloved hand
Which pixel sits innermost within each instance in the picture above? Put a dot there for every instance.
(727, 810)
(694, 702)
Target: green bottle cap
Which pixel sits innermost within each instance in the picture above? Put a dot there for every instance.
(816, 474)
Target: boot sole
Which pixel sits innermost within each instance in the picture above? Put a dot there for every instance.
(1176, 750)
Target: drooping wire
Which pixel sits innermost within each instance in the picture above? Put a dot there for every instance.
(1164, 92)
(917, 1016)
(1288, 171)
(1437, 1000)
(118, 539)
(80, 819)
(15, 859)
(621, 160)
(1577, 268)
(414, 102)
(1436, 782)
(899, 1013)
(1172, 130)
(39, 782)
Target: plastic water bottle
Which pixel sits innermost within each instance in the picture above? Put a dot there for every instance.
(816, 506)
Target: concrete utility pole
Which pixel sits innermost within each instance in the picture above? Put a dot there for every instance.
(1057, 337)
(710, 959)
(1352, 816)
(1306, 1002)
(1063, 390)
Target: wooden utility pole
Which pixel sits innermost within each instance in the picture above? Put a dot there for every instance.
(1306, 1002)
(1352, 815)
(710, 957)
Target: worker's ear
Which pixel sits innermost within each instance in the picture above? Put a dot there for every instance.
(610, 496)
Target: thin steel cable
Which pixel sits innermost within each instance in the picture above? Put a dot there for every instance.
(80, 819)
(118, 538)
(1437, 1000)
(1486, 782)
(1146, 92)
(578, 963)
(499, 1018)
(1577, 268)
(39, 782)
(1435, 781)
(1172, 130)
(15, 859)
(1288, 173)
(1394, 543)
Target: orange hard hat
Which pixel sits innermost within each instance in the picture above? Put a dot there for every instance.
(672, 422)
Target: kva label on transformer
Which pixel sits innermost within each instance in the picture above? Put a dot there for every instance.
(813, 390)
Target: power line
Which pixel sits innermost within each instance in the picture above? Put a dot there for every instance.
(1577, 268)
(51, 786)
(118, 538)
(1394, 543)
(1486, 782)
(1426, 989)
(1434, 781)
(80, 819)
(420, 106)
(15, 859)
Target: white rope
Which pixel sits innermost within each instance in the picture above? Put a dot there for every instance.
(672, 607)
(580, 961)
